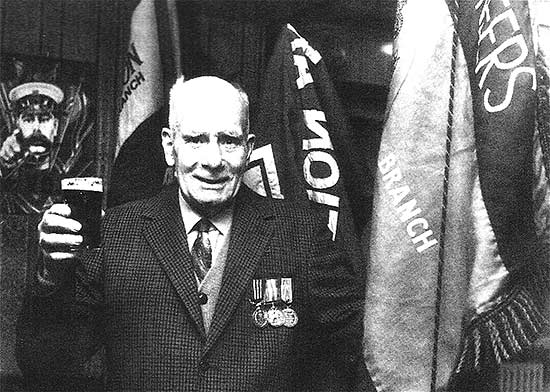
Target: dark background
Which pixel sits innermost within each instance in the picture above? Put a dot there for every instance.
(233, 39)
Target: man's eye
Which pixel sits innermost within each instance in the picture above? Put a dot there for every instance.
(28, 119)
(229, 141)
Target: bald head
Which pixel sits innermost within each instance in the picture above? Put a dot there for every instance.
(207, 94)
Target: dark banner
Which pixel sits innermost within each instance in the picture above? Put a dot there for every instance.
(498, 45)
(299, 117)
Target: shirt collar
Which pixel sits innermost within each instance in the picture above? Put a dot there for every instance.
(222, 221)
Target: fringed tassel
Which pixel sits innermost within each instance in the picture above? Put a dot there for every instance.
(512, 325)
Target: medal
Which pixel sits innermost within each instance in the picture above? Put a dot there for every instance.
(286, 290)
(275, 317)
(259, 318)
(272, 293)
(257, 291)
(291, 318)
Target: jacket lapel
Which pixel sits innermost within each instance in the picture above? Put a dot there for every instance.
(250, 232)
(166, 235)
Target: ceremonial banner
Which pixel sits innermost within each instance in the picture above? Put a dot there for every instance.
(299, 117)
(446, 303)
(421, 208)
(500, 41)
(147, 74)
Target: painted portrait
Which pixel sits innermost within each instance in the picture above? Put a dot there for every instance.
(47, 129)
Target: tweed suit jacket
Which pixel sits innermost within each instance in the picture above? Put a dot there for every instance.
(137, 297)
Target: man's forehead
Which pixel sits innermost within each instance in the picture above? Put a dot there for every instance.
(212, 123)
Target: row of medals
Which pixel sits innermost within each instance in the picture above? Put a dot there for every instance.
(272, 298)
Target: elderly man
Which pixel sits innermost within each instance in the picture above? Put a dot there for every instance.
(205, 287)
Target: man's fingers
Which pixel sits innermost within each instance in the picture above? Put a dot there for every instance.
(56, 220)
(57, 233)
(50, 241)
(15, 148)
(60, 209)
(60, 246)
(10, 149)
(61, 256)
(6, 153)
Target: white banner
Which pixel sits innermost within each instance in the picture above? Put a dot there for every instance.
(142, 77)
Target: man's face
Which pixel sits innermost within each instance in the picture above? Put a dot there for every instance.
(37, 130)
(210, 152)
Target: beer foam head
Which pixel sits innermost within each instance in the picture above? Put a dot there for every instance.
(92, 184)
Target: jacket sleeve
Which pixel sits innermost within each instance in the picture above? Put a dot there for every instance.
(57, 332)
(336, 298)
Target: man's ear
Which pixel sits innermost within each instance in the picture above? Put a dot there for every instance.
(168, 146)
(250, 145)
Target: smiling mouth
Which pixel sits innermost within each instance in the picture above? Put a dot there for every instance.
(212, 181)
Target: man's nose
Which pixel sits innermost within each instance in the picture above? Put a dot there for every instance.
(212, 155)
(36, 126)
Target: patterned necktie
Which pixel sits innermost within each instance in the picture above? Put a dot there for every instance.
(202, 250)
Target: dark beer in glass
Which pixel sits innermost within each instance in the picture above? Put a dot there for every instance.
(84, 196)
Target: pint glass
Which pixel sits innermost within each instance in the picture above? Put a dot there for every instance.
(84, 196)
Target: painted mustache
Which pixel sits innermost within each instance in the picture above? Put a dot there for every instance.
(35, 140)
